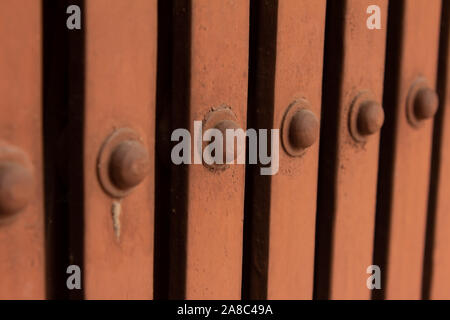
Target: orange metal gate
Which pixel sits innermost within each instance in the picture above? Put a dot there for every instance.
(342, 95)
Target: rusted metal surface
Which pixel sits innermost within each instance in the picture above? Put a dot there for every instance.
(219, 68)
(298, 75)
(403, 185)
(22, 265)
(300, 128)
(366, 117)
(129, 164)
(440, 250)
(16, 182)
(120, 92)
(123, 163)
(284, 94)
(222, 119)
(422, 102)
(87, 178)
(352, 116)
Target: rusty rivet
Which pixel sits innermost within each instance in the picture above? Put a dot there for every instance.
(426, 103)
(366, 116)
(129, 164)
(370, 117)
(422, 103)
(16, 188)
(123, 162)
(222, 118)
(223, 126)
(299, 129)
(303, 129)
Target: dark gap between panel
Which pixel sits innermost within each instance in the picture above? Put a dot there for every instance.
(63, 127)
(326, 192)
(261, 86)
(442, 80)
(171, 181)
(387, 142)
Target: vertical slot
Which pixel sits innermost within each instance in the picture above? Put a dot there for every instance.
(63, 125)
(433, 285)
(353, 94)
(387, 142)
(326, 198)
(262, 61)
(406, 145)
(172, 112)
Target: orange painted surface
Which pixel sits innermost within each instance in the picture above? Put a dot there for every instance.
(419, 54)
(441, 250)
(22, 264)
(298, 74)
(357, 163)
(219, 75)
(204, 256)
(120, 92)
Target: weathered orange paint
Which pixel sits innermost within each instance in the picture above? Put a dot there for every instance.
(356, 162)
(120, 92)
(440, 277)
(411, 167)
(219, 68)
(298, 74)
(22, 265)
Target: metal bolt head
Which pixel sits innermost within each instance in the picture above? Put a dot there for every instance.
(16, 188)
(303, 129)
(230, 125)
(221, 118)
(370, 117)
(129, 164)
(422, 103)
(426, 103)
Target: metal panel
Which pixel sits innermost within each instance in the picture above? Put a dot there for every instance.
(298, 75)
(440, 252)
(352, 187)
(403, 189)
(22, 266)
(219, 68)
(120, 92)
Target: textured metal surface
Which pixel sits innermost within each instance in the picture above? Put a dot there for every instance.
(300, 128)
(120, 92)
(298, 74)
(348, 167)
(406, 150)
(22, 265)
(16, 182)
(222, 118)
(86, 175)
(219, 67)
(123, 162)
(439, 192)
(366, 116)
(421, 103)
